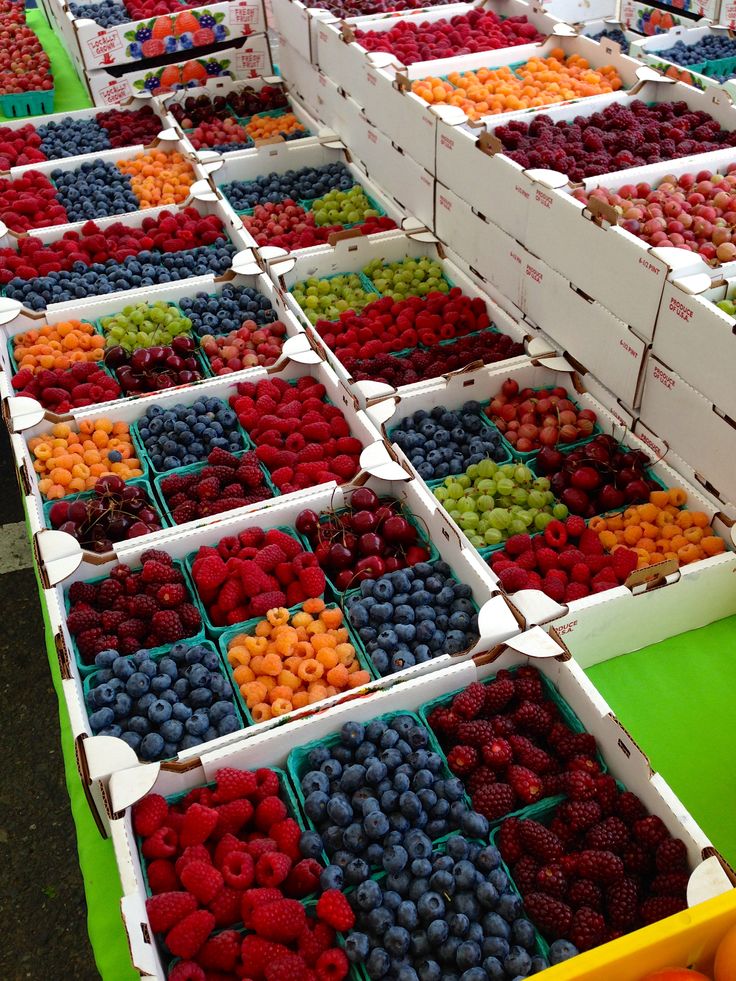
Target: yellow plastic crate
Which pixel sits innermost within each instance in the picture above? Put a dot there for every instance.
(688, 939)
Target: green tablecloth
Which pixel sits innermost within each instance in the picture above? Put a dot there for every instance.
(69, 92)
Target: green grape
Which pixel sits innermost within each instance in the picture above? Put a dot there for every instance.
(485, 503)
(504, 486)
(473, 471)
(542, 519)
(523, 475)
(469, 520)
(492, 536)
(464, 481)
(464, 504)
(537, 499)
(516, 527)
(541, 483)
(499, 518)
(455, 491)
(441, 494)
(519, 495)
(560, 511)
(488, 468)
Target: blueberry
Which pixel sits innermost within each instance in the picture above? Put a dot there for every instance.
(331, 878)
(509, 907)
(310, 844)
(378, 963)
(151, 746)
(431, 906)
(357, 947)
(518, 961)
(522, 933)
(396, 941)
(395, 858)
(494, 969)
(429, 970)
(495, 925)
(101, 718)
(368, 895)
(406, 915)
(159, 711)
(357, 871)
(562, 950)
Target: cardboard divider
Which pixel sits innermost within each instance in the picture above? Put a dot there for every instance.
(498, 621)
(344, 59)
(690, 597)
(101, 47)
(654, 50)
(692, 427)
(246, 57)
(599, 256)
(273, 747)
(689, 315)
(355, 254)
(291, 156)
(27, 417)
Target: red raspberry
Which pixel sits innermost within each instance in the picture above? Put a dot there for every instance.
(283, 920)
(555, 534)
(149, 814)
(285, 966)
(257, 897)
(156, 571)
(494, 801)
(232, 784)
(162, 876)
(238, 869)
(269, 556)
(272, 869)
(187, 971)
(552, 916)
(470, 702)
(233, 816)
(260, 605)
(547, 559)
(332, 965)
(168, 908)
(267, 784)
(202, 880)
(312, 581)
(287, 543)
(513, 579)
(161, 844)
(303, 878)
(199, 823)
(588, 928)
(534, 718)
(192, 853)
(257, 953)
(516, 544)
(462, 759)
(189, 934)
(287, 836)
(221, 952)
(269, 811)
(575, 525)
(334, 909)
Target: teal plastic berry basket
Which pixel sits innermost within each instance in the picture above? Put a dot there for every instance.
(531, 454)
(135, 429)
(87, 669)
(88, 684)
(309, 203)
(249, 628)
(366, 284)
(23, 104)
(11, 345)
(346, 599)
(158, 479)
(297, 763)
(404, 512)
(140, 456)
(567, 714)
(88, 495)
(286, 793)
(211, 630)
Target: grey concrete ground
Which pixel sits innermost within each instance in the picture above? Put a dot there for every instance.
(42, 907)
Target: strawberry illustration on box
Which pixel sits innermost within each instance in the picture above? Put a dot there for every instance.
(190, 74)
(167, 34)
